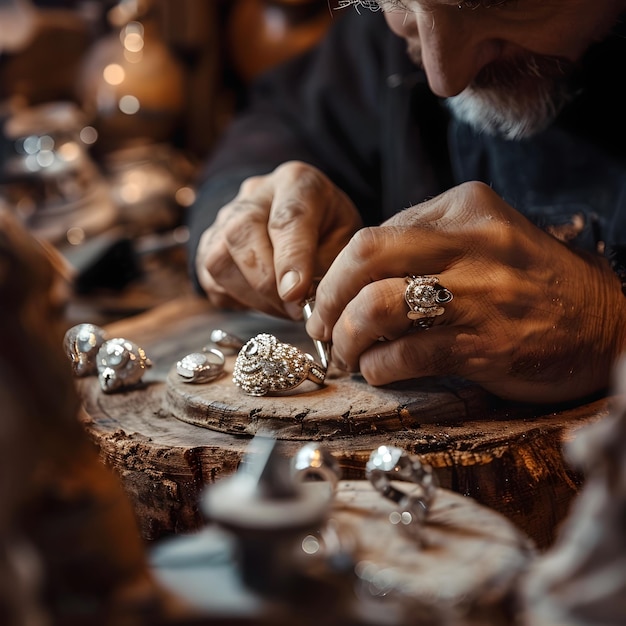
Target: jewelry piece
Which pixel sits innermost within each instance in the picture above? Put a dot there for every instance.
(388, 463)
(314, 462)
(121, 364)
(81, 343)
(226, 342)
(424, 296)
(265, 365)
(200, 367)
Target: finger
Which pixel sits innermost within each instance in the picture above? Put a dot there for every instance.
(238, 254)
(310, 221)
(215, 293)
(379, 311)
(234, 283)
(268, 211)
(371, 255)
(225, 302)
(428, 238)
(249, 248)
(441, 350)
(457, 209)
(205, 279)
(224, 283)
(293, 233)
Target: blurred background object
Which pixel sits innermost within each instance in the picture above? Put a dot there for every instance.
(49, 176)
(582, 579)
(130, 84)
(262, 33)
(70, 551)
(18, 22)
(107, 110)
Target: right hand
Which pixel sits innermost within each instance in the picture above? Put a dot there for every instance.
(532, 320)
(268, 244)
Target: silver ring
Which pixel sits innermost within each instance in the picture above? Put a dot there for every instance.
(226, 342)
(425, 297)
(314, 462)
(121, 364)
(201, 367)
(81, 343)
(387, 464)
(265, 365)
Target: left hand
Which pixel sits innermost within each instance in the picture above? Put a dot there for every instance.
(531, 319)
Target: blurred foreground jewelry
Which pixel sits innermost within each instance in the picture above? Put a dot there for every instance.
(121, 364)
(387, 464)
(315, 462)
(425, 295)
(201, 367)
(226, 342)
(265, 365)
(81, 343)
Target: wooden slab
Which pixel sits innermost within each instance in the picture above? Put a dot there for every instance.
(506, 456)
(344, 406)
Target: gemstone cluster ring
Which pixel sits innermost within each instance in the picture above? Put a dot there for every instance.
(425, 297)
(265, 366)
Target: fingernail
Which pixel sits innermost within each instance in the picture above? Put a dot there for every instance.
(288, 282)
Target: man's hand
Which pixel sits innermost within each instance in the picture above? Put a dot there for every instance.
(268, 244)
(531, 319)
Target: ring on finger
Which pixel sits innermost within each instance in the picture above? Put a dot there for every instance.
(425, 298)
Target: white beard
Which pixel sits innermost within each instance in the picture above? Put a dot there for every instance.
(514, 111)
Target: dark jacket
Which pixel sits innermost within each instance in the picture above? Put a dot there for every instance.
(358, 109)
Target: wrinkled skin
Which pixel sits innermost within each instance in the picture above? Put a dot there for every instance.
(531, 319)
(267, 245)
(454, 45)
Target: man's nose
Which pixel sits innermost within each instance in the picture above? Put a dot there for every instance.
(454, 49)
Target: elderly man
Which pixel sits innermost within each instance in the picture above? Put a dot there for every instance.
(457, 178)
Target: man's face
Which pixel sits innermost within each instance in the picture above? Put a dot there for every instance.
(503, 65)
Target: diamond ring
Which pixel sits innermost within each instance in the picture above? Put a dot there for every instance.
(201, 367)
(265, 365)
(425, 297)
